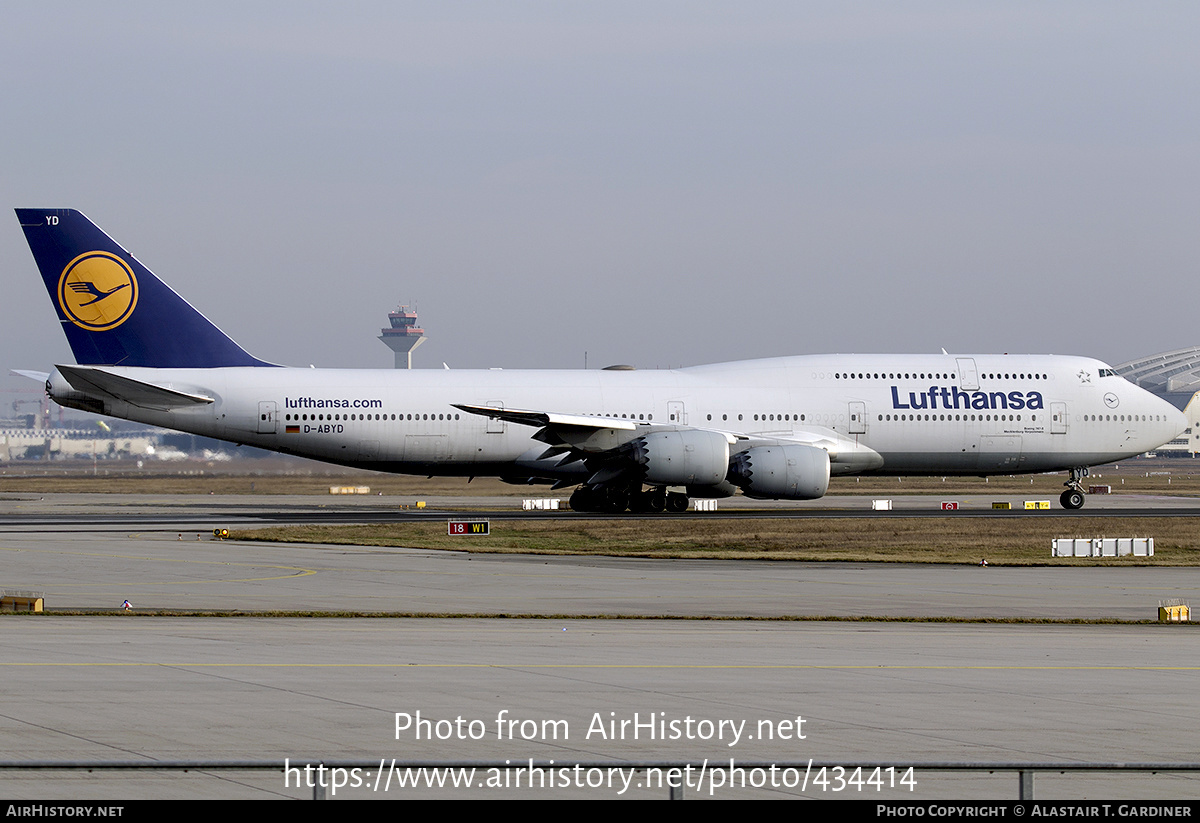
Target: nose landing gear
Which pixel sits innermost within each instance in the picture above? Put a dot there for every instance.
(1073, 497)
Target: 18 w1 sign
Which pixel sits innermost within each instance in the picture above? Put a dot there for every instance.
(469, 528)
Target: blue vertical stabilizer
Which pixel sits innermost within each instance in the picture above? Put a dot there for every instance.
(114, 311)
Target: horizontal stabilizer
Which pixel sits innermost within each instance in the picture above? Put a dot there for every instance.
(39, 376)
(96, 381)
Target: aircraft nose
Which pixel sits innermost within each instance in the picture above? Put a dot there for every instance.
(1178, 421)
(1173, 421)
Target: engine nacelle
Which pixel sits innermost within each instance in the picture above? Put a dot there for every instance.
(789, 472)
(682, 458)
(722, 489)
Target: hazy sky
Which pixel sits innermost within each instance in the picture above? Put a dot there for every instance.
(653, 183)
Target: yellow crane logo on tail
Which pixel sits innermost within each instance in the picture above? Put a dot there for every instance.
(97, 291)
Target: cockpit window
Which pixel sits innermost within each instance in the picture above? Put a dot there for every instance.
(1107, 373)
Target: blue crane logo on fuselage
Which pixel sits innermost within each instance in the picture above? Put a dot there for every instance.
(97, 291)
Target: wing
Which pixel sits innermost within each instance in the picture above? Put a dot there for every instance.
(607, 450)
(601, 450)
(574, 422)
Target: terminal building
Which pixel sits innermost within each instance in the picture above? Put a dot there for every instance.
(76, 444)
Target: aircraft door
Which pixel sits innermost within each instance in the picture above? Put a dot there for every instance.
(968, 377)
(1058, 418)
(268, 410)
(494, 425)
(676, 413)
(858, 417)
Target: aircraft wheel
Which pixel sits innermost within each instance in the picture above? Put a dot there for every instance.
(615, 501)
(1072, 499)
(658, 501)
(640, 502)
(677, 502)
(584, 500)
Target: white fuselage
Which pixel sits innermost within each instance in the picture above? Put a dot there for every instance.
(893, 414)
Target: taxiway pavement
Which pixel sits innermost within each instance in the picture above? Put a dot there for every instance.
(154, 688)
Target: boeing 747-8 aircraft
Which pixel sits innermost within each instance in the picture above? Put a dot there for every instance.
(639, 440)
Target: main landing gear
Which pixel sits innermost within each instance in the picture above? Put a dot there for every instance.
(1073, 497)
(614, 500)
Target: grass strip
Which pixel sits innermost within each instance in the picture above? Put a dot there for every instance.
(1003, 541)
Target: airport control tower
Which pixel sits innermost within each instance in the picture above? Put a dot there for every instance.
(403, 335)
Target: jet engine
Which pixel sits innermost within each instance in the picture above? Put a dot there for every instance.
(682, 458)
(787, 472)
